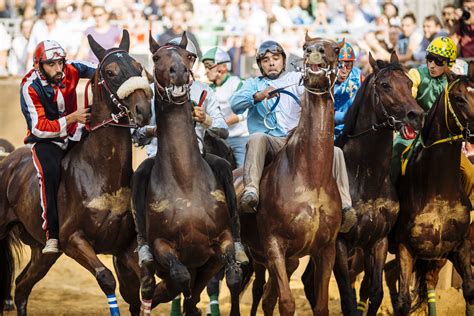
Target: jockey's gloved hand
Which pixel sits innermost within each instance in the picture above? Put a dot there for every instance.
(140, 138)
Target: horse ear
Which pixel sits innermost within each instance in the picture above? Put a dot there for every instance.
(125, 42)
(342, 43)
(98, 50)
(394, 58)
(184, 41)
(470, 70)
(373, 63)
(153, 44)
(306, 37)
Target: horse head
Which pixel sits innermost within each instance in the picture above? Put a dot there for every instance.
(460, 104)
(172, 70)
(320, 64)
(124, 81)
(392, 97)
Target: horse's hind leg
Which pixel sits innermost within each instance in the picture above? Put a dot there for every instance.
(462, 262)
(324, 263)
(78, 248)
(431, 278)
(308, 282)
(406, 264)
(34, 271)
(371, 292)
(126, 267)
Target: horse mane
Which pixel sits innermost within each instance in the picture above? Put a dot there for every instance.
(365, 90)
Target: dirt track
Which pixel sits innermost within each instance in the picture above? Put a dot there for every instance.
(69, 289)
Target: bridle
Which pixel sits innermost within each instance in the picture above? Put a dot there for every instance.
(166, 93)
(390, 121)
(123, 110)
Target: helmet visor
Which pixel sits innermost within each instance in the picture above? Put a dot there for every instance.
(271, 47)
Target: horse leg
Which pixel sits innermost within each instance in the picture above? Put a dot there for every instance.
(324, 263)
(431, 278)
(278, 272)
(78, 248)
(213, 288)
(371, 293)
(308, 283)
(127, 269)
(202, 276)
(341, 272)
(233, 275)
(392, 271)
(34, 271)
(462, 262)
(257, 286)
(167, 260)
(406, 263)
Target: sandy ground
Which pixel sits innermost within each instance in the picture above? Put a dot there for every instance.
(69, 289)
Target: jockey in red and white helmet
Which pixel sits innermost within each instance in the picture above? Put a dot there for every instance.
(47, 51)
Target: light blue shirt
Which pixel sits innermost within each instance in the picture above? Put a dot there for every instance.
(287, 112)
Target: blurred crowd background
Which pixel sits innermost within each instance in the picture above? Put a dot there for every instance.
(378, 26)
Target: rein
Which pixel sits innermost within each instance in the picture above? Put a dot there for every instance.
(463, 136)
(271, 110)
(124, 112)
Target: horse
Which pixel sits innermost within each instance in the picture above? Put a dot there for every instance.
(382, 105)
(300, 207)
(5, 148)
(187, 220)
(94, 192)
(433, 223)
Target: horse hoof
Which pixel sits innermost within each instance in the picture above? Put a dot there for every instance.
(9, 306)
(249, 201)
(240, 255)
(181, 276)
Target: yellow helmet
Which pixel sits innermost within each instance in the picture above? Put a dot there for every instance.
(443, 46)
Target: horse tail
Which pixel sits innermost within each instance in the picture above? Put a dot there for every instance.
(9, 253)
(420, 292)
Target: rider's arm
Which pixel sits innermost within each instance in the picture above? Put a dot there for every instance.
(214, 117)
(35, 115)
(85, 69)
(243, 98)
(415, 77)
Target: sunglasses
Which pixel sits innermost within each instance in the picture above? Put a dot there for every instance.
(439, 61)
(345, 64)
(210, 66)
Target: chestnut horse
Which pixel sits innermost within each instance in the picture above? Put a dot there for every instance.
(94, 192)
(299, 212)
(382, 104)
(184, 207)
(433, 223)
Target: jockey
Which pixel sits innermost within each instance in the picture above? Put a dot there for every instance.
(264, 142)
(349, 80)
(206, 114)
(49, 103)
(429, 82)
(218, 65)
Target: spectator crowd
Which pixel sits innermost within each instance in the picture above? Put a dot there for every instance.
(238, 26)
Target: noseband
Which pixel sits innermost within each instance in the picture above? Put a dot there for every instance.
(166, 93)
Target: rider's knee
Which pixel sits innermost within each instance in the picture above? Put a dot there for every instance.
(257, 138)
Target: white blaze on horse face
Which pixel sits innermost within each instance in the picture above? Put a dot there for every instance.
(117, 202)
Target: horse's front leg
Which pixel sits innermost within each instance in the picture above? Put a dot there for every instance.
(324, 264)
(461, 260)
(341, 272)
(406, 263)
(371, 292)
(432, 278)
(78, 248)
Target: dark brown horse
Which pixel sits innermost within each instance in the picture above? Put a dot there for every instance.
(433, 224)
(94, 193)
(300, 208)
(187, 220)
(382, 104)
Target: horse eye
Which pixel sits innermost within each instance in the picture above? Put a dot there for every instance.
(385, 85)
(337, 50)
(110, 73)
(459, 99)
(155, 58)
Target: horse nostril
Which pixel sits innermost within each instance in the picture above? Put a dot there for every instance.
(172, 70)
(415, 117)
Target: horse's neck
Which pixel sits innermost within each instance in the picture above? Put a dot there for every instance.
(111, 145)
(442, 160)
(178, 156)
(368, 156)
(310, 148)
